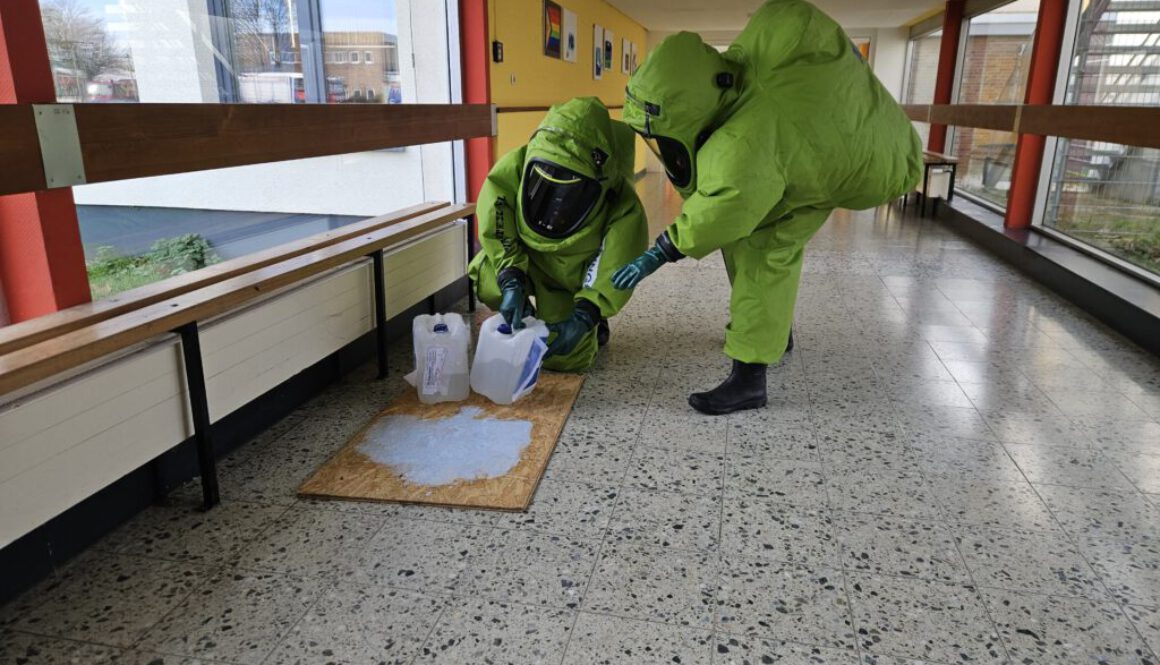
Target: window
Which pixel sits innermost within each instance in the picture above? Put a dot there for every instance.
(1103, 194)
(921, 72)
(994, 71)
(354, 56)
(367, 58)
(216, 51)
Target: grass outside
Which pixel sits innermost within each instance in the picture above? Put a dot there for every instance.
(111, 273)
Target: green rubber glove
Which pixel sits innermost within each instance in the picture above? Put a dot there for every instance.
(570, 331)
(513, 303)
(628, 276)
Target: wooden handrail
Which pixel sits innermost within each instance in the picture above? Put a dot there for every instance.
(536, 109)
(1126, 125)
(29, 365)
(120, 141)
(27, 333)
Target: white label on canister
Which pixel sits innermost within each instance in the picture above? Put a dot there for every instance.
(433, 380)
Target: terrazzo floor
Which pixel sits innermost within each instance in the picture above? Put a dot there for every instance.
(956, 466)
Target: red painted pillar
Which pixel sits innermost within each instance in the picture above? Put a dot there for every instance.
(1049, 29)
(475, 51)
(948, 54)
(42, 261)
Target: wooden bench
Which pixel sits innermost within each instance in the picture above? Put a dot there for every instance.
(75, 338)
(934, 160)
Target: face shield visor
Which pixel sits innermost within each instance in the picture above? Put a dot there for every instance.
(556, 201)
(675, 157)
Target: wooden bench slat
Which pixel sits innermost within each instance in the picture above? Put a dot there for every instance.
(61, 353)
(33, 331)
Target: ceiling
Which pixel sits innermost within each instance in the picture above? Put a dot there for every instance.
(729, 16)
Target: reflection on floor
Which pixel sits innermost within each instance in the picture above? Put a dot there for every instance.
(955, 466)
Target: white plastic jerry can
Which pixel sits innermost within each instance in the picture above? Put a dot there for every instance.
(441, 367)
(507, 363)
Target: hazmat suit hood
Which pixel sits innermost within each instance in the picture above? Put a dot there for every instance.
(573, 163)
(682, 91)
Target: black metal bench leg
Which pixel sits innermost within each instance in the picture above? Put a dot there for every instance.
(380, 313)
(470, 256)
(199, 408)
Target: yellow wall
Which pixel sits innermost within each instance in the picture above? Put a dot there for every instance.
(527, 77)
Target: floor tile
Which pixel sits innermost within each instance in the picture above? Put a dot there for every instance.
(784, 602)
(487, 631)
(667, 519)
(602, 462)
(418, 554)
(793, 442)
(1036, 430)
(1098, 512)
(579, 510)
(1063, 465)
(887, 492)
(1129, 568)
(1053, 629)
(993, 503)
(353, 624)
(768, 529)
(684, 471)
(109, 599)
(889, 546)
(311, 542)
(1028, 561)
(669, 586)
(237, 616)
(954, 459)
(181, 531)
(747, 650)
(1143, 471)
(601, 640)
(794, 482)
(677, 427)
(530, 567)
(25, 649)
(921, 619)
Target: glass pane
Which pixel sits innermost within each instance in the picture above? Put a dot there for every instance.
(264, 49)
(994, 71)
(921, 72)
(1108, 195)
(361, 52)
(90, 62)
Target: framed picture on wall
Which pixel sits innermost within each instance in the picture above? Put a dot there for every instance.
(597, 52)
(571, 41)
(625, 55)
(862, 47)
(609, 40)
(553, 28)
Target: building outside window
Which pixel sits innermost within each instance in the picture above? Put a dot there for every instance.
(1106, 195)
(994, 71)
(921, 73)
(249, 51)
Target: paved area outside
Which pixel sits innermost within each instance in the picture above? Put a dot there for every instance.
(956, 466)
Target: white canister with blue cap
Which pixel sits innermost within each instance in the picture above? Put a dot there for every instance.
(441, 368)
(507, 362)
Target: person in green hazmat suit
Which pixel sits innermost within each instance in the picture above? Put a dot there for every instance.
(556, 218)
(763, 141)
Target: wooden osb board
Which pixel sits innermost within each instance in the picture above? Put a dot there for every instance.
(352, 475)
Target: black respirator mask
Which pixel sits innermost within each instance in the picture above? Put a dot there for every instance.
(556, 200)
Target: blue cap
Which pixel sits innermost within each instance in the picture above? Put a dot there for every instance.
(504, 329)
(441, 328)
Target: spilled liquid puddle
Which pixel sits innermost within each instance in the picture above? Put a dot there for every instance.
(442, 451)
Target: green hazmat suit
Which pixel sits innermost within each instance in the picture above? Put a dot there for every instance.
(763, 141)
(561, 271)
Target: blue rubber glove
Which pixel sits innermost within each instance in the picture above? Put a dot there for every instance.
(628, 276)
(569, 332)
(513, 302)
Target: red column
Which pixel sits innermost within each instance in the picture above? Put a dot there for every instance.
(948, 54)
(1049, 29)
(475, 52)
(42, 261)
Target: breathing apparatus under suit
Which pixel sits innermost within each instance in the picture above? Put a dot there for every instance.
(763, 141)
(556, 218)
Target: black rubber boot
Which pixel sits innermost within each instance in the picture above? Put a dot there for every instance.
(602, 332)
(789, 345)
(744, 388)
